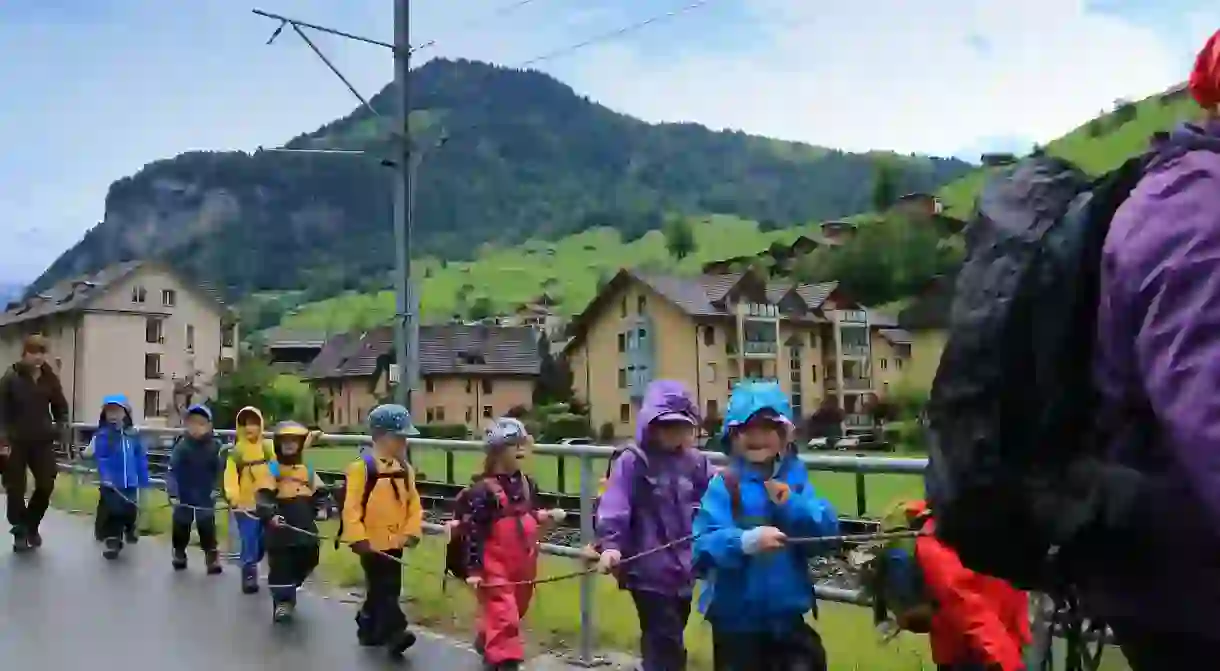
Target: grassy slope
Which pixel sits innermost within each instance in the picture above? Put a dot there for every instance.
(517, 274)
(1094, 154)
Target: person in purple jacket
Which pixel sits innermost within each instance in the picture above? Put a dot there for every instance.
(1158, 348)
(653, 490)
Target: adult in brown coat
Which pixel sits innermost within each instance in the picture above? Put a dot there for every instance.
(32, 411)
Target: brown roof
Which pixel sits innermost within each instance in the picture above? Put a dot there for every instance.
(80, 292)
(896, 336)
(282, 337)
(444, 349)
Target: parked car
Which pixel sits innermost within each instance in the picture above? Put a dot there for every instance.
(576, 441)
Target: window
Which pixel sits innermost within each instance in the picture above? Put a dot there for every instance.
(487, 411)
(429, 417)
(152, 403)
(713, 408)
(622, 342)
(138, 295)
(711, 372)
(643, 334)
(641, 304)
(709, 336)
(624, 413)
(486, 385)
(168, 297)
(59, 364)
(794, 375)
(152, 366)
(227, 336)
(813, 372)
(622, 307)
(227, 365)
(622, 378)
(469, 413)
(190, 338)
(440, 414)
(152, 331)
(428, 386)
(469, 386)
(884, 363)
(898, 364)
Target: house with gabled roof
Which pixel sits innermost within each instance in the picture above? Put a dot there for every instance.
(469, 373)
(713, 330)
(139, 329)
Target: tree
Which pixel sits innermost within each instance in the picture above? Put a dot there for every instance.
(885, 185)
(254, 383)
(481, 308)
(554, 377)
(679, 237)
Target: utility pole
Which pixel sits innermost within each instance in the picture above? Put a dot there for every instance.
(405, 324)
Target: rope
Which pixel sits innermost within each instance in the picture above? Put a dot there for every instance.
(590, 570)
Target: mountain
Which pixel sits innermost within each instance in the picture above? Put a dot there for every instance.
(10, 291)
(527, 159)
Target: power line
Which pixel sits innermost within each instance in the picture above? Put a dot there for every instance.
(486, 18)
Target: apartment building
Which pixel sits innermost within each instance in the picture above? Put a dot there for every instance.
(137, 329)
(711, 331)
(468, 373)
(926, 319)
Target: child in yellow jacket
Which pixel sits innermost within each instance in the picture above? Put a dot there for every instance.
(248, 465)
(382, 515)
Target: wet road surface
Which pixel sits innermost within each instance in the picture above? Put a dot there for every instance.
(66, 608)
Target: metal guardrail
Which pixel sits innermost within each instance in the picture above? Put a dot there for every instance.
(860, 465)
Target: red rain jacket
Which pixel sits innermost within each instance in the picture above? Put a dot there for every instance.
(979, 619)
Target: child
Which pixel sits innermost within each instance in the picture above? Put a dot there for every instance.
(758, 589)
(974, 621)
(248, 464)
(194, 471)
(122, 468)
(650, 500)
(382, 514)
(288, 497)
(500, 526)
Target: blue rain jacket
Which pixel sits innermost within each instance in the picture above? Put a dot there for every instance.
(766, 591)
(122, 461)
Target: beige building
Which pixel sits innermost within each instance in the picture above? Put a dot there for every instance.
(468, 374)
(927, 320)
(137, 329)
(711, 331)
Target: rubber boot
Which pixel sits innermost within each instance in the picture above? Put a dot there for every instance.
(21, 542)
(211, 559)
(113, 547)
(249, 579)
(365, 632)
(35, 539)
(399, 643)
(179, 560)
(283, 611)
(131, 535)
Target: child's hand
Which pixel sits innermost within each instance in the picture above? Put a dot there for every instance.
(609, 560)
(277, 521)
(762, 539)
(412, 541)
(362, 548)
(474, 581)
(556, 515)
(777, 491)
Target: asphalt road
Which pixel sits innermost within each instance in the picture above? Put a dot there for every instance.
(66, 608)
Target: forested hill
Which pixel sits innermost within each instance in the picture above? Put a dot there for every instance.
(527, 158)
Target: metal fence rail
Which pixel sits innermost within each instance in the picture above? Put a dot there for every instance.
(860, 465)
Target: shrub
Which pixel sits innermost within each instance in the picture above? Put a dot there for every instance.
(557, 427)
(606, 433)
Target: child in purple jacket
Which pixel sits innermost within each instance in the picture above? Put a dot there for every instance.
(651, 495)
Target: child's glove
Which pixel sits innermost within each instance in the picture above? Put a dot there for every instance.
(609, 560)
(554, 515)
(762, 539)
(474, 581)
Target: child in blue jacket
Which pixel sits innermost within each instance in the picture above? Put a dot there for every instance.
(122, 468)
(757, 587)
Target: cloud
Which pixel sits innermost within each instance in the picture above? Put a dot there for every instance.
(106, 87)
(900, 75)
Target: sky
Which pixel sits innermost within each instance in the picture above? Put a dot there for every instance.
(96, 89)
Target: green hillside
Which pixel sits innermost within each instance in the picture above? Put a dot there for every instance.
(1097, 146)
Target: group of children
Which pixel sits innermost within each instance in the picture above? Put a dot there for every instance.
(667, 519)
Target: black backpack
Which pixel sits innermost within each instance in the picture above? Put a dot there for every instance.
(1017, 473)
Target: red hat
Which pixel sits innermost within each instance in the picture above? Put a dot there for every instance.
(1205, 78)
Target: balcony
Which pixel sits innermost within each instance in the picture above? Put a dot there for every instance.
(852, 316)
(758, 310)
(858, 421)
(855, 351)
(761, 347)
(851, 384)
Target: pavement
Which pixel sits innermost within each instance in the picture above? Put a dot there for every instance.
(66, 608)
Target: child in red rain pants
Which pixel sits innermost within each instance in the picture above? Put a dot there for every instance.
(501, 527)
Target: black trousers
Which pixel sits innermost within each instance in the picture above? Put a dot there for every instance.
(118, 513)
(381, 616)
(204, 522)
(1148, 650)
(799, 648)
(39, 459)
(662, 620)
(288, 567)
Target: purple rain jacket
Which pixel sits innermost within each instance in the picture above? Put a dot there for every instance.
(1158, 346)
(650, 502)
